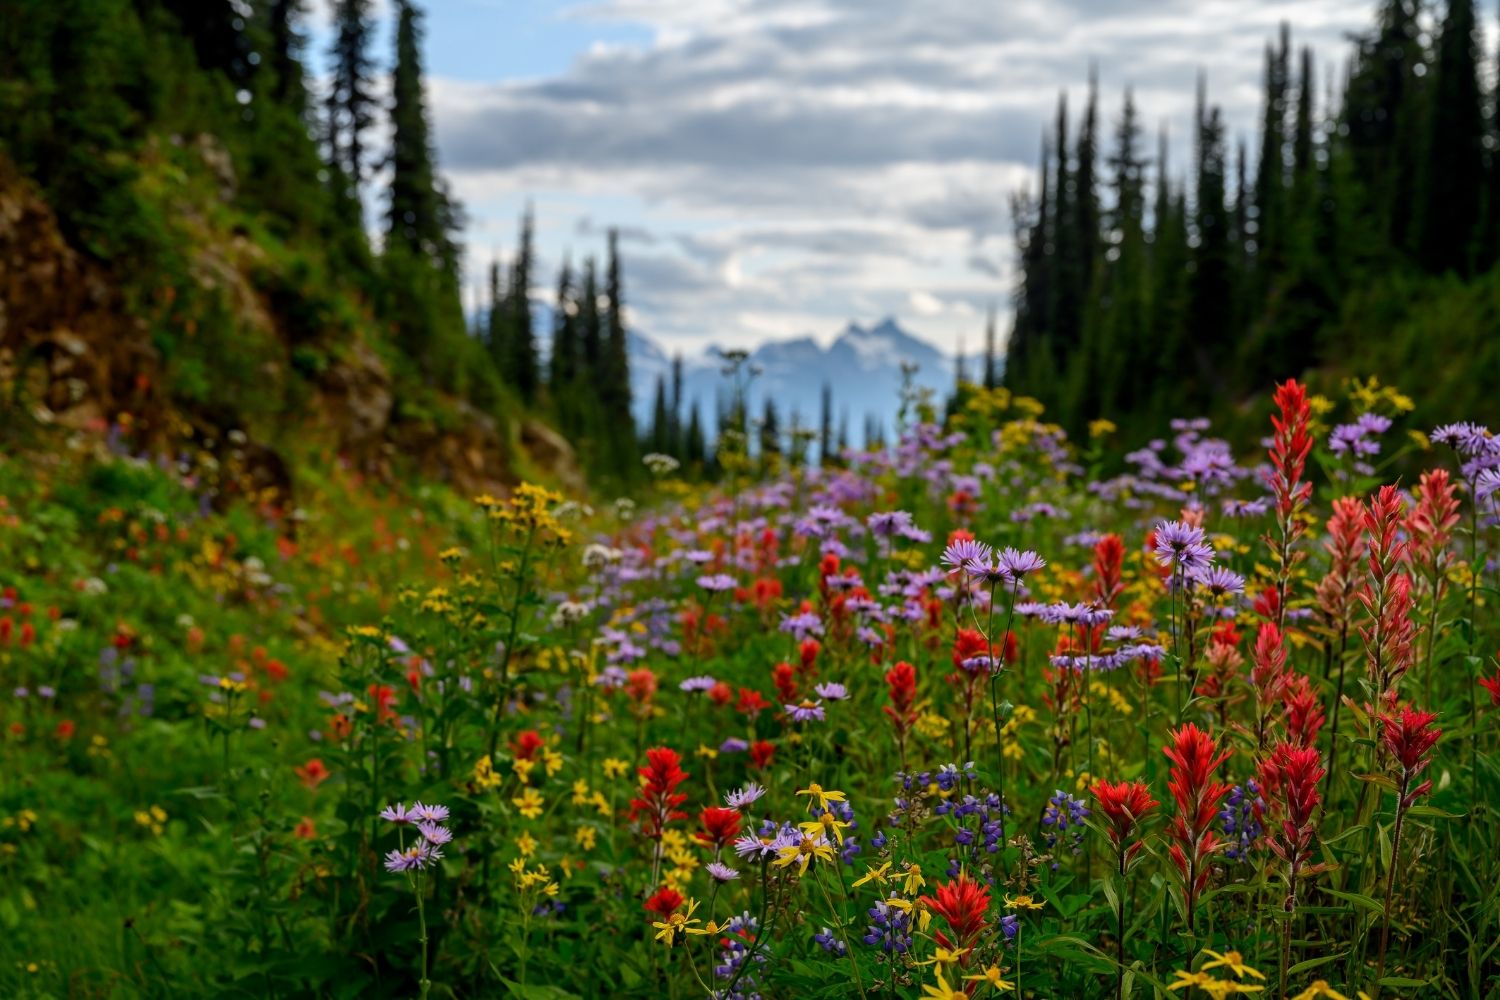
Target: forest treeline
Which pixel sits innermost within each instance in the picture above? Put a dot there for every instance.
(1359, 235)
(336, 180)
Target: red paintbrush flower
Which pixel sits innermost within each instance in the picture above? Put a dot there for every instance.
(1345, 548)
(664, 901)
(1290, 444)
(1126, 804)
(526, 744)
(1194, 757)
(1109, 561)
(720, 826)
(657, 803)
(1304, 711)
(786, 683)
(762, 752)
(963, 903)
(1492, 685)
(1409, 737)
(901, 686)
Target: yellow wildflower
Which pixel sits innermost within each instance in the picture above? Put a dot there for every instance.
(874, 875)
(530, 803)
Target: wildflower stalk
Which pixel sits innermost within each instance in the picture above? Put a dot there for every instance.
(763, 930)
(838, 923)
(995, 706)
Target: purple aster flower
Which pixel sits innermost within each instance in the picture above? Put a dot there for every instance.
(720, 872)
(435, 835)
(1220, 581)
(416, 857)
(966, 553)
(807, 711)
(1181, 546)
(1018, 563)
(432, 814)
(733, 745)
(889, 523)
(702, 683)
(716, 582)
(832, 690)
(398, 813)
(740, 798)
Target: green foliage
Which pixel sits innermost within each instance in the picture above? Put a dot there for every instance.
(1249, 275)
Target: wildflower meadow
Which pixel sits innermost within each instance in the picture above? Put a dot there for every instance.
(964, 717)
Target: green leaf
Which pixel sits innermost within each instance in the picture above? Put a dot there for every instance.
(1313, 963)
(1357, 899)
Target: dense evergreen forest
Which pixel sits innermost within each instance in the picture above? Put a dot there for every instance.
(113, 107)
(1360, 237)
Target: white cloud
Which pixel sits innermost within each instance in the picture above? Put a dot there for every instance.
(785, 165)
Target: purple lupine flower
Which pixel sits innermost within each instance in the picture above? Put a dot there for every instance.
(1238, 816)
(1181, 546)
(829, 942)
(889, 930)
(742, 797)
(1064, 813)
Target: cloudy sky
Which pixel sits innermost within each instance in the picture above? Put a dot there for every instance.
(778, 167)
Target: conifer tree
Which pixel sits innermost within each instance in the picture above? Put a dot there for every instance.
(1452, 168)
(991, 373)
(351, 105)
(288, 80)
(497, 325)
(563, 361)
(414, 217)
(521, 368)
(614, 379)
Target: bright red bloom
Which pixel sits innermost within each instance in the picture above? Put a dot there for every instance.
(664, 901)
(1410, 737)
(385, 697)
(1289, 781)
(1194, 757)
(963, 903)
(901, 685)
(1304, 711)
(762, 752)
(1492, 685)
(721, 694)
(526, 744)
(1109, 561)
(1290, 444)
(313, 773)
(752, 703)
(720, 826)
(786, 683)
(640, 685)
(1345, 548)
(808, 653)
(1430, 524)
(1125, 804)
(657, 803)
(305, 830)
(65, 729)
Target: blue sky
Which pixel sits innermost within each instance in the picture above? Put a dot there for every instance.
(778, 167)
